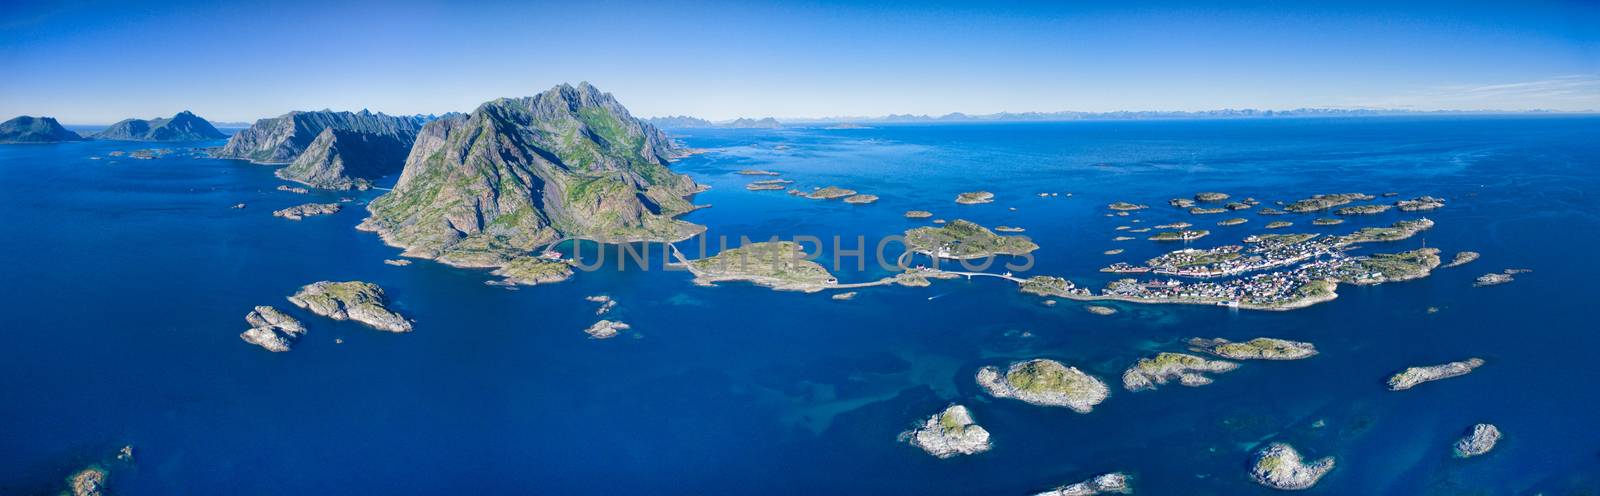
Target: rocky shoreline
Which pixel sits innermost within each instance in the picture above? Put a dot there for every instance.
(949, 433)
(362, 302)
(1188, 370)
(1279, 466)
(1413, 376)
(1045, 382)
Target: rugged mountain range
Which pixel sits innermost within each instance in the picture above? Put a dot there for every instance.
(184, 126)
(327, 149)
(485, 188)
(26, 129)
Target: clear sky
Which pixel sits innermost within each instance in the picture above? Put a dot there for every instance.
(90, 63)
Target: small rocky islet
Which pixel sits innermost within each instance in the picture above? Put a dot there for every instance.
(1188, 370)
(1254, 349)
(1478, 441)
(1413, 376)
(1045, 382)
(362, 302)
(1112, 483)
(606, 329)
(1279, 466)
(272, 329)
(299, 212)
(975, 197)
(949, 433)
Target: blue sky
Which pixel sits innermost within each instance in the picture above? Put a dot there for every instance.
(237, 61)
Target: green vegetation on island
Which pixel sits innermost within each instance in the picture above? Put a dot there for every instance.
(949, 433)
(307, 210)
(1420, 204)
(1280, 467)
(830, 193)
(1395, 232)
(974, 197)
(1370, 209)
(1045, 382)
(1184, 235)
(527, 270)
(1324, 202)
(1188, 370)
(1210, 196)
(961, 239)
(1232, 222)
(1462, 258)
(1254, 349)
(516, 174)
(1326, 221)
(780, 265)
(1412, 376)
(1123, 206)
(362, 302)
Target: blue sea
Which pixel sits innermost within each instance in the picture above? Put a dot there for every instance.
(125, 284)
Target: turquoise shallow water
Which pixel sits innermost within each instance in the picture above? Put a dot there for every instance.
(126, 283)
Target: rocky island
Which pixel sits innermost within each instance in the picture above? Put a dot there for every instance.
(1184, 235)
(362, 302)
(1462, 258)
(1279, 466)
(974, 197)
(307, 210)
(88, 482)
(606, 329)
(272, 329)
(185, 126)
(949, 433)
(1123, 206)
(26, 129)
(1232, 222)
(530, 271)
(1046, 383)
(1482, 439)
(1362, 210)
(1210, 196)
(1413, 376)
(964, 240)
(768, 185)
(481, 189)
(1189, 370)
(860, 199)
(1420, 204)
(830, 193)
(918, 214)
(1255, 349)
(780, 265)
(1114, 482)
(1324, 202)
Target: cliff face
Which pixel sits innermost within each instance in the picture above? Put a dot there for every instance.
(182, 127)
(346, 159)
(280, 140)
(483, 188)
(27, 129)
